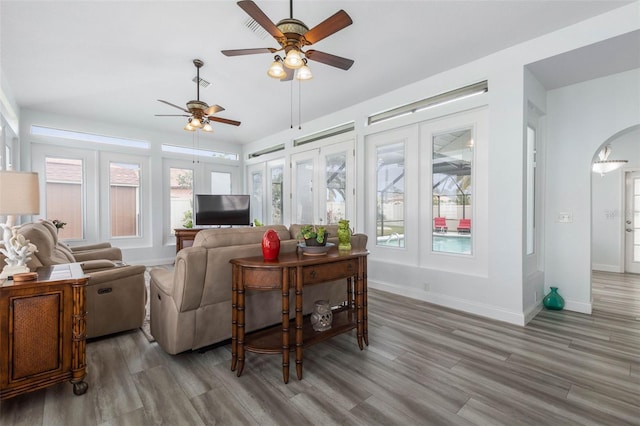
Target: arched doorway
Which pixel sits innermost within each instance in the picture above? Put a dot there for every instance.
(614, 251)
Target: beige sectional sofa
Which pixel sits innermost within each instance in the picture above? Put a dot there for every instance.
(191, 305)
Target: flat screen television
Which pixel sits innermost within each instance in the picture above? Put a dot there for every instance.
(215, 209)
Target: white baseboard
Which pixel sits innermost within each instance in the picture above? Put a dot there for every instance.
(464, 305)
(583, 308)
(532, 312)
(606, 268)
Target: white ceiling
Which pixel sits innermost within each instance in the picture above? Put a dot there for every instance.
(112, 60)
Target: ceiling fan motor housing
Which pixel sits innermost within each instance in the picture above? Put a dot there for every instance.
(197, 108)
(293, 30)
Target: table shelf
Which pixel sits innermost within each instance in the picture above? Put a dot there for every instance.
(269, 340)
(290, 273)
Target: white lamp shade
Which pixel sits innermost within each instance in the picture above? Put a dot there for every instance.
(293, 60)
(276, 70)
(195, 122)
(304, 73)
(19, 193)
(607, 166)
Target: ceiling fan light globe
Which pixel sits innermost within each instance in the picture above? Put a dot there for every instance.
(293, 60)
(189, 128)
(304, 73)
(606, 166)
(207, 128)
(195, 122)
(276, 70)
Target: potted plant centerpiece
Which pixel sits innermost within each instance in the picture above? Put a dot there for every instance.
(313, 235)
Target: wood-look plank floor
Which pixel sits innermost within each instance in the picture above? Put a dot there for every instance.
(425, 365)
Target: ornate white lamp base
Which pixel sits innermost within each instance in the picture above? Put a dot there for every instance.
(9, 271)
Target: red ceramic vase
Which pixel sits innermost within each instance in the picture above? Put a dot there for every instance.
(270, 245)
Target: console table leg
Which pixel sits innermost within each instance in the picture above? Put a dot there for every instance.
(365, 319)
(360, 305)
(285, 326)
(234, 317)
(240, 324)
(299, 337)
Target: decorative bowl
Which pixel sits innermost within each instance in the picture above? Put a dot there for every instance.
(315, 250)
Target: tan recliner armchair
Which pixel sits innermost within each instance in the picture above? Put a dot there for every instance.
(116, 293)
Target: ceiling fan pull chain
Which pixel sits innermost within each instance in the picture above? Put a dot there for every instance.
(299, 105)
(291, 103)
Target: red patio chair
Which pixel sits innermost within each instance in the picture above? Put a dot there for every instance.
(440, 224)
(464, 225)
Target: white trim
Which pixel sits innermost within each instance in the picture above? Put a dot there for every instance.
(516, 318)
(607, 268)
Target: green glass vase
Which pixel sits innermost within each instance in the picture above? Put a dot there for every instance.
(553, 300)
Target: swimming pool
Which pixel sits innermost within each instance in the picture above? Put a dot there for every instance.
(452, 243)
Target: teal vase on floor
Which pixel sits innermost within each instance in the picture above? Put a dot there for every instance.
(553, 300)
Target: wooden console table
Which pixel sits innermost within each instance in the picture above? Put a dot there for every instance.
(42, 331)
(185, 237)
(294, 271)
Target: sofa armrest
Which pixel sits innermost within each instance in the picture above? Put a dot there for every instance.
(186, 283)
(116, 273)
(110, 253)
(96, 265)
(89, 247)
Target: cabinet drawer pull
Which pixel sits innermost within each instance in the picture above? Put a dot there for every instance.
(105, 290)
(314, 273)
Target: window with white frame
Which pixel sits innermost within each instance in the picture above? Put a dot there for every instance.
(275, 188)
(180, 198)
(390, 195)
(452, 190)
(65, 194)
(124, 199)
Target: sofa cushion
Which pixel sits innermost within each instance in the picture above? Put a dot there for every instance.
(223, 237)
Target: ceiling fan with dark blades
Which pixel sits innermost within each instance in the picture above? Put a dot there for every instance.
(198, 113)
(293, 35)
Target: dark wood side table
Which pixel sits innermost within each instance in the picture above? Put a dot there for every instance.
(43, 331)
(185, 237)
(294, 271)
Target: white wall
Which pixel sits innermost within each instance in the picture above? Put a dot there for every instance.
(581, 118)
(607, 240)
(533, 264)
(500, 293)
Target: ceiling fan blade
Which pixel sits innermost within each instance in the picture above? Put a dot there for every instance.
(331, 25)
(238, 52)
(329, 59)
(213, 109)
(258, 15)
(172, 115)
(223, 120)
(173, 105)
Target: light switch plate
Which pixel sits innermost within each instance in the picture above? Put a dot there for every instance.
(564, 217)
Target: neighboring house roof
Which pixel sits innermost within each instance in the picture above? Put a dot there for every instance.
(64, 170)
